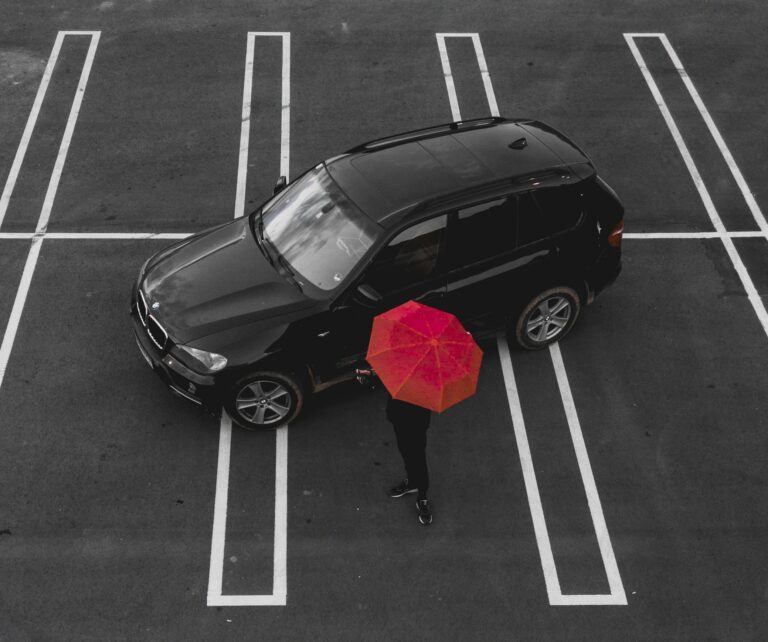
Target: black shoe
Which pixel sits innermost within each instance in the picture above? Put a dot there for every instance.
(402, 489)
(425, 512)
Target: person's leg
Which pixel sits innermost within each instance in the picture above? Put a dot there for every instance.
(418, 461)
(403, 435)
(421, 475)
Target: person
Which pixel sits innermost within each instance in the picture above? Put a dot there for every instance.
(410, 423)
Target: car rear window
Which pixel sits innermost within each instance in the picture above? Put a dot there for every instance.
(560, 206)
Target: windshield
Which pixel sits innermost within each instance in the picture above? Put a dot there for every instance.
(317, 230)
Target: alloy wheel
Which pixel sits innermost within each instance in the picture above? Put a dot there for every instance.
(263, 402)
(548, 319)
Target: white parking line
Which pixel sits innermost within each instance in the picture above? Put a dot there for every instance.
(279, 593)
(279, 578)
(110, 236)
(754, 208)
(485, 75)
(21, 151)
(529, 475)
(53, 185)
(717, 223)
(694, 235)
(617, 595)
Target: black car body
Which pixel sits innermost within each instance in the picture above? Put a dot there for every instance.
(504, 223)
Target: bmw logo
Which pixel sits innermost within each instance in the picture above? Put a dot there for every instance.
(155, 305)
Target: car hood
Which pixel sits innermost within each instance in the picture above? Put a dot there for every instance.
(217, 280)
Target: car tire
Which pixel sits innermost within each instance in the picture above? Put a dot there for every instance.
(264, 400)
(548, 317)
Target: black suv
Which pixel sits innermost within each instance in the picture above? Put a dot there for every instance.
(504, 223)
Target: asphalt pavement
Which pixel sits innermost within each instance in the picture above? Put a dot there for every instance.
(112, 491)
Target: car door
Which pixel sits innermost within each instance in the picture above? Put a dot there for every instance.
(498, 250)
(410, 266)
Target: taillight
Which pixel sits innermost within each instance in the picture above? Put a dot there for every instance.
(614, 238)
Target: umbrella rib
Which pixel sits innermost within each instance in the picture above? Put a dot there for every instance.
(429, 325)
(414, 330)
(416, 365)
(440, 375)
(398, 347)
(405, 326)
(452, 358)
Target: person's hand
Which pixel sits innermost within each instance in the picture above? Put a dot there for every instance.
(364, 376)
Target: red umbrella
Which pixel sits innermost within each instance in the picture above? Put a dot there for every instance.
(424, 356)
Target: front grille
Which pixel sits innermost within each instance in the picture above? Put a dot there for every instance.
(156, 332)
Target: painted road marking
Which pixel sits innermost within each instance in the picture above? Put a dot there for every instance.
(485, 75)
(279, 580)
(754, 208)
(529, 475)
(53, 185)
(279, 593)
(102, 236)
(97, 236)
(717, 223)
(617, 595)
(21, 151)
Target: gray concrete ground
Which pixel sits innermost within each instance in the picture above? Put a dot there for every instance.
(108, 481)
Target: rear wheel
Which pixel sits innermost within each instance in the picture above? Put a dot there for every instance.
(264, 400)
(547, 318)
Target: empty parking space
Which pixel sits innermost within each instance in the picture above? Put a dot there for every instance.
(117, 520)
(12, 258)
(385, 79)
(248, 562)
(344, 526)
(754, 253)
(672, 406)
(39, 143)
(564, 504)
(156, 142)
(106, 477)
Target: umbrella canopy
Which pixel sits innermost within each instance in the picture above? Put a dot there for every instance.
(424, 356)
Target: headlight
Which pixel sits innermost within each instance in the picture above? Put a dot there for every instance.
(214, 362)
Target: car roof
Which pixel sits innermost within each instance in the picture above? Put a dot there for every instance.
(390, 177)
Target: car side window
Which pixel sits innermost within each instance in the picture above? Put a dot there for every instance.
(531, 223)
(561, 206)
(410, 257)
(483, 230)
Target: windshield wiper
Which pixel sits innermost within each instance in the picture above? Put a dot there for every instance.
(291, 274)
(270, 248)
(259, 233)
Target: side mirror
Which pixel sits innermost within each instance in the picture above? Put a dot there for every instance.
(280, 185)
(369, 294)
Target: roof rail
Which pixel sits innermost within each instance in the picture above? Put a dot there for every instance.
(427, 132)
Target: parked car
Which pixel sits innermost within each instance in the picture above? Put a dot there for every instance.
(504, 223)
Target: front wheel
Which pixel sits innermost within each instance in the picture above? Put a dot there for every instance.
(547, 318)
(264, 400)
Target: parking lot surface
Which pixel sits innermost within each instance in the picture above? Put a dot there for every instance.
(611, 488)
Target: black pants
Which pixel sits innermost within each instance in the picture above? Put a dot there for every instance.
(412, 444)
